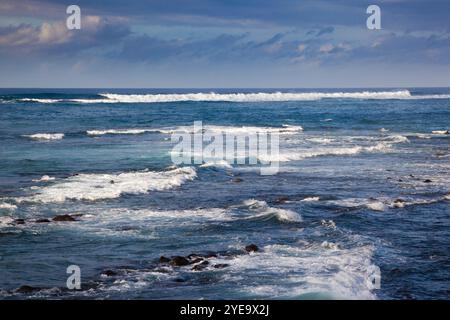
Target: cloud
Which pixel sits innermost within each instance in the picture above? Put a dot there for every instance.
(326, 48)
(412, 14)
(54, 37)
(245, 37)
(325, 31)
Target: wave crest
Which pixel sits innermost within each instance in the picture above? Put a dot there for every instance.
(93, 187)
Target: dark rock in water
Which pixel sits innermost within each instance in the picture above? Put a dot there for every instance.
(19, 221)
(64, 217)
(76, 215)
(400, 180)
(282, 199)
(42, 221)
(427, 181)
(112, 182)
(251, 248)
(237, 180)
(25, 289)
(163, 259)
(211, 255)
(197, 260)
(220, 265)
(109, 273)
(179, 280)
(179, 261)
(200, 266)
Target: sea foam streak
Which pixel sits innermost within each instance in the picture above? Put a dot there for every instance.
(384, 144)
(284, 129)
(242, 97)
(123, 131)
(7, 206)
(45, 136)
(108, 186)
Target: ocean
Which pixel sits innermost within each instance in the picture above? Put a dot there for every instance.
(359, 207)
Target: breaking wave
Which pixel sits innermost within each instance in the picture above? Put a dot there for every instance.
(93, 187)
(284, 129)
(264, 211)
(45, 136)
(384, 145)
(242, 97)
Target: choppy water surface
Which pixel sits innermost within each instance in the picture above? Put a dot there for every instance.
(363, 183)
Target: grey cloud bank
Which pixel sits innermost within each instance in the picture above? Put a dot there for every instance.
(224, 43)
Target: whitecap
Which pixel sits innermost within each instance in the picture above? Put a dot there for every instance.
(218, 164)
(121, 131)
(263, 210)
(311, 199)
(376, 206)
(45, 136)
(242, 97)
(330, 245)
(440, 132)
(44, 178)
(311, 269)
(108, 186)
(7, 206)
(254, 97)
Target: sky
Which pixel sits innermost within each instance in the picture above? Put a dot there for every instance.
(224, 44)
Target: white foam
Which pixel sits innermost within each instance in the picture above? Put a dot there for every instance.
(44, 178)
(376, 206)
(108, 186)
(5, 221)
(45, 136)
(321, 140)
(218, 164)
(237, 130)
(328, 223)
(447, 197)
(384, 203)
(311, 199)
(263, 210)
(311, 269)
(122, 131)
(440, 132)
(7, 206)
(384, 145)
(67, 100)
(255, 97)
(330, 245)
(243, 97)
(40, 100)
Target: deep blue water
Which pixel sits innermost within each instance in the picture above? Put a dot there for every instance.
(364, 185)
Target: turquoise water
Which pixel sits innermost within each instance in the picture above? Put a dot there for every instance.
(363, 184)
